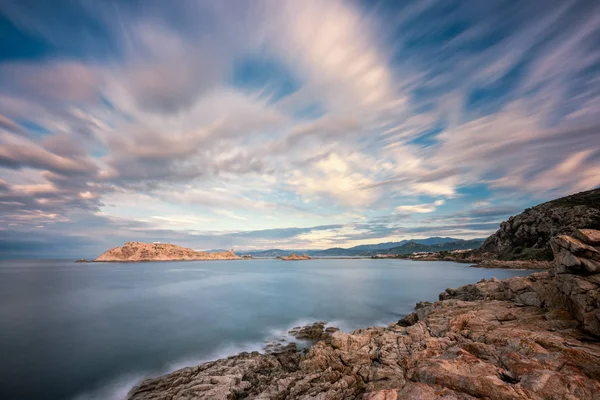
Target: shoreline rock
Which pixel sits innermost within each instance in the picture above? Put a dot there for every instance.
(139, 251)
(535, 337)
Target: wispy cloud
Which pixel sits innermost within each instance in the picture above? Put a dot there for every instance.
(212, 119)
(420, 208)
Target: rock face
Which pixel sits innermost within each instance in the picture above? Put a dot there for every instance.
(535, 337)
(527, 235)
(138, 251)
(573, 284)
(295, 257)
(577, 255)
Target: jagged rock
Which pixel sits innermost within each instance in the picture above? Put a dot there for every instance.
(588, 236)
(458, 350)
(576, 286)
(278, 347)
(409, 320)
(420, 391)
(314, 332)
(453, 349)
(574, 256)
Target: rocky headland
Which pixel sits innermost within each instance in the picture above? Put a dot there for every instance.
(138, 251)
(527, 235)
(295, 257)
(535, 337)
(524, 240)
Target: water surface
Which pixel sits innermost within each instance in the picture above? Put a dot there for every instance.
(90, 331)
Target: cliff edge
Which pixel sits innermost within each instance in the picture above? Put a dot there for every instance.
(139, 251)
(535, 337)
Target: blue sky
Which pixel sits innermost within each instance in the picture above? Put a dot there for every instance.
(288, 124)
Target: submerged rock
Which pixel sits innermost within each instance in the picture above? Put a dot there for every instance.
(280, 347)
(313, 332)
(534, 337)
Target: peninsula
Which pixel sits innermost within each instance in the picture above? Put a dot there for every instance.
(139, 251)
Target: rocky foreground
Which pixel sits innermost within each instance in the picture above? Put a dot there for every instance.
(138, 251)
(535, 337)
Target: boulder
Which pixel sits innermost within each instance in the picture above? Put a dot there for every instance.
(573, 256)
(312, 332)
(588, 236)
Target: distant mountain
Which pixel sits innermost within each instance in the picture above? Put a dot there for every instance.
(413, 246)
(527, 235)
(401, 247)
(336, 252)
(271, 253)
(389, 245)
(378, 246)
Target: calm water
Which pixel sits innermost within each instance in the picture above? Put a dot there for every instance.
(90, 331)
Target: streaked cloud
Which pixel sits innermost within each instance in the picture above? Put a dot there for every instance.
(258, 124)
(420, 208)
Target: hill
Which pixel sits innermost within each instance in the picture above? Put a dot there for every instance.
(527, 235)
(414, 247)
(138, 251)
(427, 244)
(391, 245)
(271, 253)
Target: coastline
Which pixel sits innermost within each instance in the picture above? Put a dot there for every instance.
(533, 265)
(492, 263)
(534, 337)
(446, 346)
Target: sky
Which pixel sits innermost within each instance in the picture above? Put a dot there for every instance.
(289, 124)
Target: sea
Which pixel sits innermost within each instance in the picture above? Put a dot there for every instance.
(91, 331)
